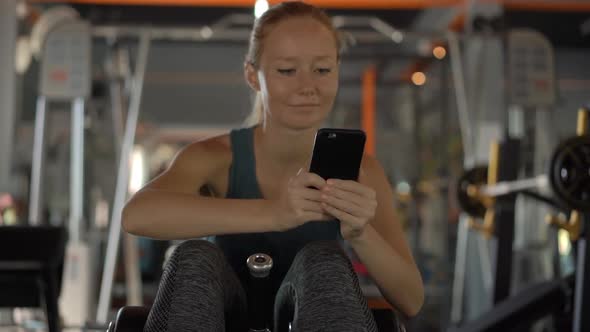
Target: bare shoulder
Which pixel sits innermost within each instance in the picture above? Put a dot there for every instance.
(371, 167)
(373, 174)
(215, 149)
(195, 165)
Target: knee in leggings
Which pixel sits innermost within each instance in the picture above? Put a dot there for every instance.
(322, 293)
(325, 257)
(192, 251)
(197, 292)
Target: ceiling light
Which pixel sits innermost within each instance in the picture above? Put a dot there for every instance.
(418, 78)
(439, 52)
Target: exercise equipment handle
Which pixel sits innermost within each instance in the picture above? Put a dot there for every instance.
(259, 266)
(508, 187)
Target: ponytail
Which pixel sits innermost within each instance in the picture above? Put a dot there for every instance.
(257, 114)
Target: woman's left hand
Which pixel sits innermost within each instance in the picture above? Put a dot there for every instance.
(352, 203)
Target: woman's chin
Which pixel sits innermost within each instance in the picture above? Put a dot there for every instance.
(304, 122)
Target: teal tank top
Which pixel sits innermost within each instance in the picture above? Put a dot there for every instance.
(281, 246)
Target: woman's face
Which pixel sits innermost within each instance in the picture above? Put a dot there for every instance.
(298, 73)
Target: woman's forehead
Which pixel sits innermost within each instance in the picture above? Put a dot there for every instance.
(300, 37)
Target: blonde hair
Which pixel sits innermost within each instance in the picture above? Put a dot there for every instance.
(263, 24)
(257, 114)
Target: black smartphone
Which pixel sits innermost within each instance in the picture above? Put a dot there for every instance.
(337, 153)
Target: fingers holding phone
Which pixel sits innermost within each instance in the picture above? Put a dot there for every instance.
(351, 202)
(300, 202)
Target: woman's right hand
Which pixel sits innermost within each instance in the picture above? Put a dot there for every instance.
(300, 201)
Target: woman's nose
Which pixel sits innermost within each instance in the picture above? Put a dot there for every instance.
(307, 83)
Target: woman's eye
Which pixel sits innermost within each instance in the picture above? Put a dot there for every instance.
(324, 70)
(289, 71)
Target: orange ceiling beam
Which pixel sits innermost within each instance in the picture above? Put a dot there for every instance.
(534, 5)
(344, 4)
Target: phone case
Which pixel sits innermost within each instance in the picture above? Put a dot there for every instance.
(337, 153)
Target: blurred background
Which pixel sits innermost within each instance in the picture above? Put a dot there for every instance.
(97, 96)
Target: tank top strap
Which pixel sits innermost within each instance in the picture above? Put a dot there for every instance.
(242, 173)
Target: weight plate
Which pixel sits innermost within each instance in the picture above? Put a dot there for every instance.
(475, 176)
(569, 172)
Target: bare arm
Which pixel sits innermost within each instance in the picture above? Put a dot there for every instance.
(385, 252)
(368, 223)
(170, 207)
(172, 216)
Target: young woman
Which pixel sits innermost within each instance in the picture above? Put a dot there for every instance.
(262, 201)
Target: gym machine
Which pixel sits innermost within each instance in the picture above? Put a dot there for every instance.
(114, 237)
(31, 268)
(531, 86)
(481, 195)
(33, 256)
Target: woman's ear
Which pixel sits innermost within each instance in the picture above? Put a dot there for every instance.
(251, 76)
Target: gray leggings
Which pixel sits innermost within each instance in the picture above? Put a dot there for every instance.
(199, 291)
